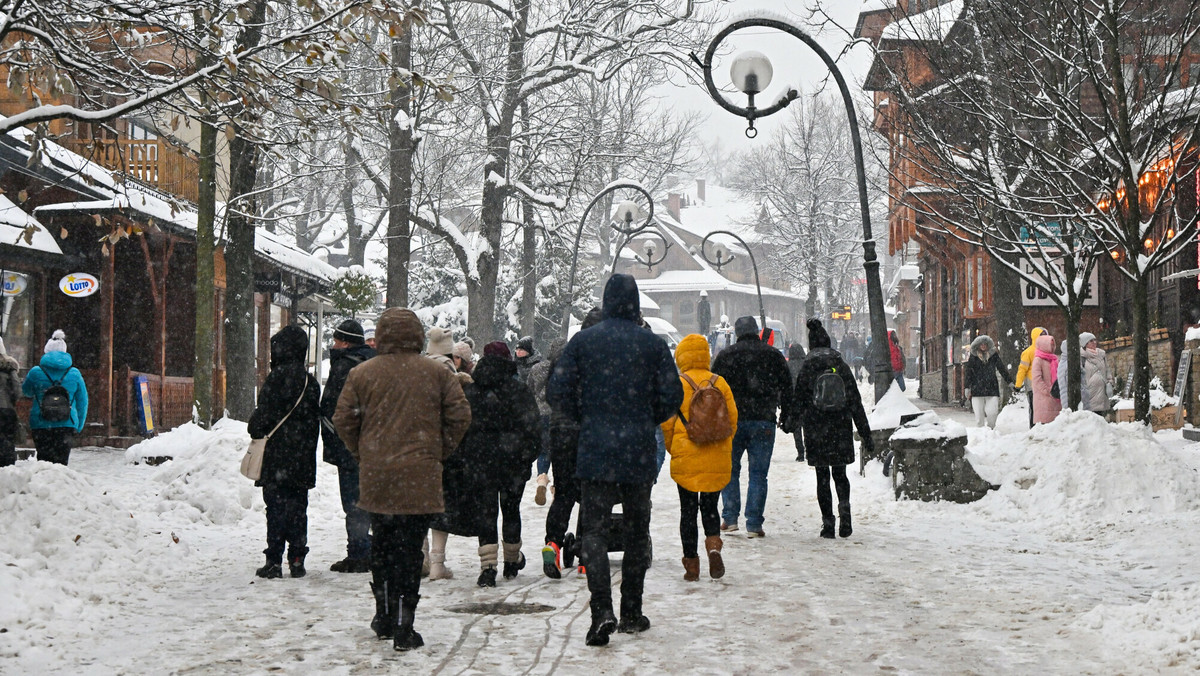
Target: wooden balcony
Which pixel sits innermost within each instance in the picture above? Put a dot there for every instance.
(154, 162)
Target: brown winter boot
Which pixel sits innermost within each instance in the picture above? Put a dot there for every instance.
(716, 566)
(691, 568)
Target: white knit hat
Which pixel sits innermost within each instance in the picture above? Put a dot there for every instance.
(57, 342)
(441, 341)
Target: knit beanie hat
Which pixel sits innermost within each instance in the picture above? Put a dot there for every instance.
(57, 342)
(441, 341)
(817, 337)
(526, 344)
(369, 333)
(349, 331)
(497, 349)
(464, 351)
(745, 326)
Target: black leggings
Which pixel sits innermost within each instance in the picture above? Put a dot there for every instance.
(396, 550)
(824, 498)
(563, 444)
(509, 502)
(710, 517)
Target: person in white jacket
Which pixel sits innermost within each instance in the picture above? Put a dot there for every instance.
(1096, 378)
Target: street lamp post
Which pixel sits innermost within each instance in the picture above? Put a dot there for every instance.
(647, 257)
(751, 73)
(724, 257)
(622, 221)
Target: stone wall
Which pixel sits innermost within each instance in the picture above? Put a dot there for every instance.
(1120, 360)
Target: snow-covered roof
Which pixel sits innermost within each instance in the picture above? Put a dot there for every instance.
(721, 209)
(932, 25)
(646, 302)
(14, 221)
(869, 6)
(704, 280)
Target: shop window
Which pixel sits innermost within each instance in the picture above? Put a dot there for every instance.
(16, 322)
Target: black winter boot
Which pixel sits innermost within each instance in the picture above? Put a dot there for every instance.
(270, 571)
(827, 524)
(487, 577)
(632, 619)
(384, 622)
(844, 528)
(296, 562)
(406, 637)
(604, 623)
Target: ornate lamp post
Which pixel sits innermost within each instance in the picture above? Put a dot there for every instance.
(649, 248)
(724, 257)
(751, 72)
(622, 221)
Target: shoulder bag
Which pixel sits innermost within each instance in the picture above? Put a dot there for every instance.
(253, 460)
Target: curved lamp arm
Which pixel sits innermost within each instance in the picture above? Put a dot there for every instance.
(762, 315)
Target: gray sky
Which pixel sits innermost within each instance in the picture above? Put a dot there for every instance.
(794, 64)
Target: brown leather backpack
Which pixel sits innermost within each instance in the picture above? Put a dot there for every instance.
(707, 421)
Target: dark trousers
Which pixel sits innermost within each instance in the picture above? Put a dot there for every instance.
(564, 442)
(1029, 398)
(53, 444)
(824, 497)
(396, 550)
(287, 522)
(358, 522)
(8, 435)
(509, 502)
(597, 499)
(710, 518)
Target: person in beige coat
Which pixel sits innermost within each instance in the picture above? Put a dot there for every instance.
(400, 415)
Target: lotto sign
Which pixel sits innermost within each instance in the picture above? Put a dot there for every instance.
(15, 284)
(79, 284)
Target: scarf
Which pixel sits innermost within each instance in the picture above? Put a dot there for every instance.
(1052, 358)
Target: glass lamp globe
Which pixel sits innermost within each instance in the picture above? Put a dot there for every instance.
(626, 212)
(751, 72)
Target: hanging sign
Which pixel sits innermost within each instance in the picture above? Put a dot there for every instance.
(1181, 380)
(79, 284)
(15, 284)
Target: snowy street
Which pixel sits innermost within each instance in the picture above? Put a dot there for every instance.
(1083, 562)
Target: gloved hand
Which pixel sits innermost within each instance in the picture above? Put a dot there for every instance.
(868, 446)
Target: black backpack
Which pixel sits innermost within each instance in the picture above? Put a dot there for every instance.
(55, 405)
(829, 391)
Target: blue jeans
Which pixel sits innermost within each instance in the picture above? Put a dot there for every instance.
(358, 522)
(900, 379)
(543, 460)
(662, 452)
(756, 438)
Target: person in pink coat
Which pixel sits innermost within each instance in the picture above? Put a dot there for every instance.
(1044, 370)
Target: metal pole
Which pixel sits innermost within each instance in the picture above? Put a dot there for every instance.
(879, 339)
(762, 314)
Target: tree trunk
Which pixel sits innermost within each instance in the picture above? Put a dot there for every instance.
(400, 161)
(1073, 395)
(1141, 350)
(206, 209)
(356, 246)
(1010, 321)
(240, 328)
(481, 313)
(529, 271)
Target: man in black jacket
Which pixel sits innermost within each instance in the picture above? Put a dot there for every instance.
(761, 383)
(349, 350)
(619, 381)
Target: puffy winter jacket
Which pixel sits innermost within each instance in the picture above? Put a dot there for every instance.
(1027, 357)
(759, 377)
(56, 367)
(980, 374)
(1045, 407)
(341, 360)
(1096, 381)
(829, 437)
(698, 468)
(291, 458)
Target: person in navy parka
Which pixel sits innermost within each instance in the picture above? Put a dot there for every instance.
(53, 439)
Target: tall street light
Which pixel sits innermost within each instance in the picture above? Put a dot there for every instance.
(724, 257)
(647, 257)
(622, 220)
(751, 72)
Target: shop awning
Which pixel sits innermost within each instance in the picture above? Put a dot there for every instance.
(19, 229)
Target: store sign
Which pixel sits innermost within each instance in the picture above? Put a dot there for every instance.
(15, 284)
(79, 284)
(1033, 295)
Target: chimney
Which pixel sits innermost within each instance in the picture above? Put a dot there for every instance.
(700, 190)
(675, 205)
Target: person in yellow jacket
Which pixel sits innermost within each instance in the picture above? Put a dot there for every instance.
(1023, 371)
(700, 470)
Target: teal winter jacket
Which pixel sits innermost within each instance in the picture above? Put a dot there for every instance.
(56, 367)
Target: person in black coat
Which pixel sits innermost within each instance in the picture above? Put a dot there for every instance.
(761, 383)
(828, 434)
(979, 380)
(291, 399)
(493, 461)
(349, 350)
(620, 382)
(796, 357)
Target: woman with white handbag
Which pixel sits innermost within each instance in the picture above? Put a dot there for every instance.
(288, 417)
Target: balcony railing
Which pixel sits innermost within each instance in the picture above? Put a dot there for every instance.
(150, 161)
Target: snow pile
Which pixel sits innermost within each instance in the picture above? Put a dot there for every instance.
(929, 426)
(1014, 418)
(203, 482)
(1166, 627)
(1193, 333)
(68, 549)
(1079, 469)
(888, 410)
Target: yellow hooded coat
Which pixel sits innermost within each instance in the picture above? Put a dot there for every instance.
(1027, 357)
(698, 468)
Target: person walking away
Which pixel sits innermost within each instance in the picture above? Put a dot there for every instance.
(703, 314)
(400, 415)
(761, 383)
(1023, 376)
(349, 350)
(10, 391)
(980, 380)
(619, 381)
(701, 468)
(55, 418)
(829, 408)
(289, 413)
(538, 376)
(527, 358)
(851, 350)
(1043, 373)
(795, 360)
(897, 357)
(1097, 379)
(499, 447)
(440, 349)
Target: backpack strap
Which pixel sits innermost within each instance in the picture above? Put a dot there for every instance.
(688, 379)
(712, 382)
